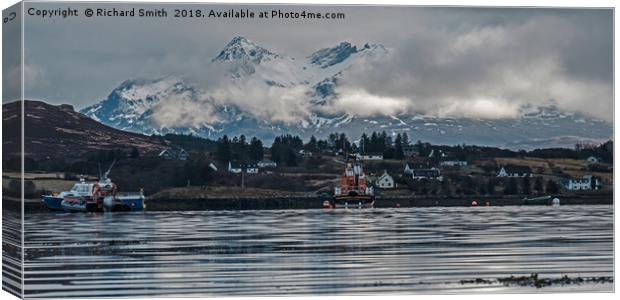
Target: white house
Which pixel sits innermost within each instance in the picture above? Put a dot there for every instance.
(234, 167)
(453, 163)
(587, 182)
(179, 154)
(515, 171)
(267, 163)
(251, 168)
(369, 156)
(409, 150)
(385, 181)
(593, 160)
(305, 153)
(410, 166)
(237, 168)
(432, 173)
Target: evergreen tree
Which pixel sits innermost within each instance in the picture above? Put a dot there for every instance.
(538, 185)
(398, 147)
(552, 187)
(405, 139)
(312, 145)
(256, 149)
(512, 187)
(223, 152)
(525, 185)
(491, 186)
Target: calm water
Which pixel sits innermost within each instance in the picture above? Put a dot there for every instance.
(392, 251)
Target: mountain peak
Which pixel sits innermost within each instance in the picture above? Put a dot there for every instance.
(330, 56)
(242, 49)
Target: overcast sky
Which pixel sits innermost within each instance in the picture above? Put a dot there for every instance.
(471, 61)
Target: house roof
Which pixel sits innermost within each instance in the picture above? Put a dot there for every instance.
(235, 165)
(511, 169)
(417, 165)
(384, 175)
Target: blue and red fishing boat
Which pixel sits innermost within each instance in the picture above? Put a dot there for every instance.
(96, 196)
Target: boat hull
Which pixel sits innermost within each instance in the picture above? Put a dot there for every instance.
(357, 201)
(71, 204)
(52, 203)
(125, 204)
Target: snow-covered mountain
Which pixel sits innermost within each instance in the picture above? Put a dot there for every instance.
(172, 105)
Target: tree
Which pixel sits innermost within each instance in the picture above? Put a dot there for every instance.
(398, 147)
(511, 187)
(525, 185)
(255, 149)
(405, 139)
(312, 145)
(538, 185)
(491, 186)
(223, 152)
(552, 187)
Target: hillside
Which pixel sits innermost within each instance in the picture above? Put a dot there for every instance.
(61, 132)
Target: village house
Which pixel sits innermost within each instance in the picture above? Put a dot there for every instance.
(369, 156)
(251, 168)
(432, 173)
(237, 168)
(587, 182)
(179, 154)
(593, 160)
(234, 167)
(305, 153)
(409, 150)
(267, 163)
(385, 181)
(410, 166)
(515, 171)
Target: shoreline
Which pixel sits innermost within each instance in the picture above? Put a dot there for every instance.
(316, 202)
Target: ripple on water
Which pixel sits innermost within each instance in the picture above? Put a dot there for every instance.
(302, 252)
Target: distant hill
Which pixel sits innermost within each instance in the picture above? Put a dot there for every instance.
(60, 132)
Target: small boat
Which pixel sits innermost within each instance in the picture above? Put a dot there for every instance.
(353, 191)
(52, 202)
(94, 197)
(88, 197)
(543, 200)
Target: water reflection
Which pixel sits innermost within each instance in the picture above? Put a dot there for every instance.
(300, 252)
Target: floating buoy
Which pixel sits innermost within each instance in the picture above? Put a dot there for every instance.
(555, 202)
(327, 204)
(474, 203)
(397, 205)
(487, 203)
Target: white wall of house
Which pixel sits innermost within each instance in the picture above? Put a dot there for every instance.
(385, 181)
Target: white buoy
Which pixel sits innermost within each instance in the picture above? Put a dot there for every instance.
(555, 202)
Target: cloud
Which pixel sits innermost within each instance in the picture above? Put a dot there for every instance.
(272, 103)
(473, 62)
(361, 103)
(486, 71)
